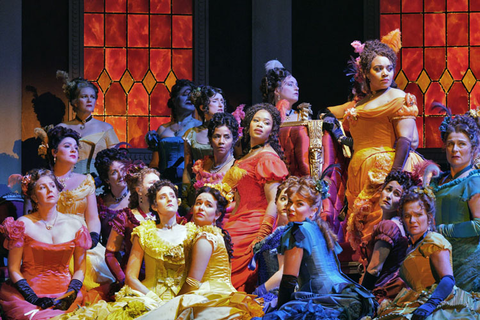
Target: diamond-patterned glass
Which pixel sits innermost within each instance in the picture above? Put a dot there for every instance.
(446, 81)
(423, 81)
(469, 80)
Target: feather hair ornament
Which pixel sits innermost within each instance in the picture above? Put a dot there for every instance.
(393, 40)
(272, 64)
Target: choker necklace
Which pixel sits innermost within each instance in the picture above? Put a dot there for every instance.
(65, 179)
(83, 122)
(146, 216)
(169, 226)
(215, 169)
(50, 226)
(458, 174)
(117, 200)
(258, 146)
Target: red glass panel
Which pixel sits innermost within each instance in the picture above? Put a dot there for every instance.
(138, 100)
(92, 63)
(389, 23)
(93, 5)
(398, 66)
(457, 5)
(156, 122)
(419, 124)
(115, 30)
(137, 128)
(138, 6)
(182, 63)
(160, 31)
(93, 30)
(474, 28)
(159, 6)
(412, 61)
(137, 30)
(115, 100)
(474, 61)
(116, 6)
(457, 61)
(457, 29)
(120, 126)
(115, 62)
(182, 31)
(435, 6)
(389, 6)
(99, 107)
(435, 60)
(158, 101)
(475, 97)
(474, 5)
(412, 5)
(434, 93)
(457, 98)
(160, 63)
(432, 134)
(435, 29)
(138, 63)
(415, 90)
(411, 25)
(182, 6)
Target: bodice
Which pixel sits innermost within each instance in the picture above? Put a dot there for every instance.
(75, 201)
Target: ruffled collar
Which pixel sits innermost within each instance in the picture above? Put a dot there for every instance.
(437, 188)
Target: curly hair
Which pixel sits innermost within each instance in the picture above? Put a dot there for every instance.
(134, 179)
(306, 188)
(104, 160)
(177, 87)
(271, 81)
(372, 49)
(31, 179)
(284, 185)
(55, 137)
(466, 125)
(72, 88)
(223, 119)
(222, 204)
(201, 97)
(426, 202)
(404, 179)
(273, 138)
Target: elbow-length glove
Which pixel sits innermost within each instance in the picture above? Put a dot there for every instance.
(69, 296)
(287, 287)
(441, 292)
(30, 296)
(402, 150)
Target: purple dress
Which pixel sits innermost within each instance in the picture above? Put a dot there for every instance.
(106, 216)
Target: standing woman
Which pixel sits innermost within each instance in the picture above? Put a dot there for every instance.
(95, 135)
(256, 177)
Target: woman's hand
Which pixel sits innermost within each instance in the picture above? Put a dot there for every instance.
(431, 171)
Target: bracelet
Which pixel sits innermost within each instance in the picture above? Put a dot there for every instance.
(194, 283)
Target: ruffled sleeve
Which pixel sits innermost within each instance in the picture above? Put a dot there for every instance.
(88, 185)
(82, 238)
(111, 138)
(409, 110)
(472, 187)
(119, 222)
(14, 232)
(295, 235)
(270, 168)
(434, 242)
(211, 233)
(387, 231)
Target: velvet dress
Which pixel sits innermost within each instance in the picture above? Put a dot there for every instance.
(106, 216)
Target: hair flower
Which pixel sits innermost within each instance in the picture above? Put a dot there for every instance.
(351, 114)
(13, 230)
(224, 188)
(428, 191)
(322, 186)
(358, 46)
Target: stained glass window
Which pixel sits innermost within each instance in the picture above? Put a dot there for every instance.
(135, 50)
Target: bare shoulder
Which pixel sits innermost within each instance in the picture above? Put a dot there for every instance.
(103, 125)
(396, 93)
(27, 219)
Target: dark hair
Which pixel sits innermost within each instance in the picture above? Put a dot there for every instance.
(404, 179)
(201, 97)
(134, 178)
(372, 49)
(284, 185)
(55, 137)
(154, 189)
(222, 204)
(466, 125)
(417, 193)
(273, 138)
(30, 180)
(271, 81)
(221, 119)
(104, 160)
(177, 87)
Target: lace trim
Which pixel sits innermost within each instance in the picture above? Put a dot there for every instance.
(211, 233)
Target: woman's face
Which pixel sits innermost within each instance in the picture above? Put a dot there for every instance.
(182, 101)
(148, 180)
(282, 211)
(116, 175)
(45, 191)
(381, 73)
(86, 101)
(299, 209)
(289, 90)
(217, 104)
(222, 140)
(67, 151)
(205, 210)
(166, 202)
(390, 196)
(459, 150)
(261, 126)
(415, 219)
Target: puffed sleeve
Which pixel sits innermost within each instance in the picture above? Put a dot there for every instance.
(14, 232)
(472, 187)
(90, 184)
(270, 168)
(434, 242)
(111, 138)
(295, 236)
(189, 136)
(82, 238)
(119, 222)
(409, 109)
(210, 233)
(387, 231)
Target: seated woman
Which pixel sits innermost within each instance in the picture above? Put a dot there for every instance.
(41, 245)
(427, 269)
(96, 135)
(208, 292)
(114, 199)
(309, 248)
(388, 247)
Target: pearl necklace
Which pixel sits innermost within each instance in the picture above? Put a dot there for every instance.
(215, 169)
(65, 179)
(169, 226)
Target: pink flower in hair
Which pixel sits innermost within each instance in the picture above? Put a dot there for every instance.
(239, 115)
(358, 46)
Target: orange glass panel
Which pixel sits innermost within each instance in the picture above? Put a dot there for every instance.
(412, 61)
(457, 98)
(433, 138)
(115, 100)
(99, 107)
(435, 29)
(137, 30)
(120, 126)
(398, 67)
(138, 63)
(182, 6)
(137, 128)
(182, 63)
(411, 24)
(160, 31)
(435, 6)
(138, 6)
(160, 63)
(419, 125)
(156, 122)
(415, 90)
(457, 29)
(182, 31)
(412, 5)
(92, 63)
(475, 5)
(457, 5)
(93, 30)
(474, 61)
(158, 101)
(389, 23)
(138, 100)
(115, 62)
(435, 62)
(116, 6)
(389, 6)
(457, 61)
(115, 30)
(93, 5)
(159, 6)
(434, 93)
(475, 97)
(474, 29)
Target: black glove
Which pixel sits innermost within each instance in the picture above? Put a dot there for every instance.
(441, 292)
(69, 296)
(29, 295)
(332, 125)
(287, 287)
(95, 238)
(402, 149)
(152, 139)
(369, 281)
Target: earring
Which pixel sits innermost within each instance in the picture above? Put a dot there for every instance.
(54, 160)
(141, 199)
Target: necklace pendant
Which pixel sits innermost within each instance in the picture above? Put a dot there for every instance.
(82, 126)
(49, 227)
